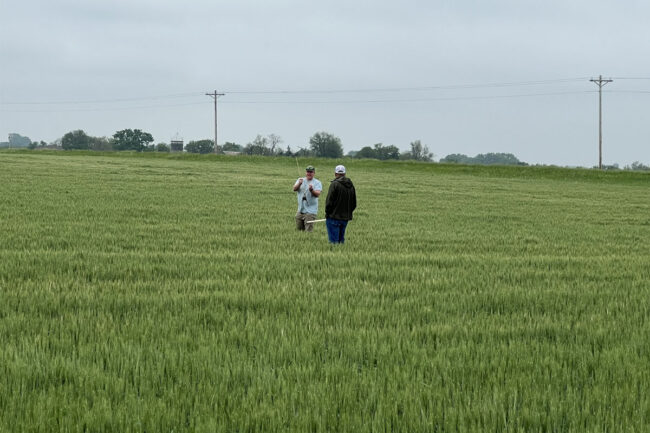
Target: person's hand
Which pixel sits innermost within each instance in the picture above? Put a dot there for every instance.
(311, 188)
(300, 181)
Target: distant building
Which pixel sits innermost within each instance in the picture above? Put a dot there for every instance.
(176, 144)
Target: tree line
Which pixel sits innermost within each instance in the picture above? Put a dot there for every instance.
(483, 159)
(321, 144)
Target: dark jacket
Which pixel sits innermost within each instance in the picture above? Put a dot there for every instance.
(341, 199)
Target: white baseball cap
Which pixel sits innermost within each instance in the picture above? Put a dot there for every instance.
(340, 169)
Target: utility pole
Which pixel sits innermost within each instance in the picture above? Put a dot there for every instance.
(214, 96)
(600, 83)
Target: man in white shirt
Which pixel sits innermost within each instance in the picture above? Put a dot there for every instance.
(308, 189)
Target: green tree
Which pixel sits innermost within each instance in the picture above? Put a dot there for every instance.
(17, 140)
(457, 158)
(259, 146)
(162, 147)
(132, 139)
(200, 146)
(497, 159)
(76, 140)
(386, 152)
(420, 152)
(286, 152)
(326, 145)
(483, 159)
(638, 166)
(366, 152)
(379, 151)
(103, 144)
(274, 143)
(231, 147)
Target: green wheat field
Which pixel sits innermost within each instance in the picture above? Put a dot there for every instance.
(172, 293)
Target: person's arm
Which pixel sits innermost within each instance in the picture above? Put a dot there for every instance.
(296, 186)
(315, 192)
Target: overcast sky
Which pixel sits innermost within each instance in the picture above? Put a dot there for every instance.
(461, 76)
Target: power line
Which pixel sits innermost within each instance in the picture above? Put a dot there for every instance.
(373, 101)
(71, 110)
(101, 101)
(419, 88)
(627, 91)
(310, 102)
(305, 91)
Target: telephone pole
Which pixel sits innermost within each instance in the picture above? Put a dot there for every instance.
(214, 96)
(600, 82)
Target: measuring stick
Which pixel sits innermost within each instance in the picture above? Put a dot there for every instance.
(298, 167)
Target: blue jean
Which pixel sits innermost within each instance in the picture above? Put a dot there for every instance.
(336, 230)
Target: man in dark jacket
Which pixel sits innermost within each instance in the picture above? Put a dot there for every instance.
(341, 202)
